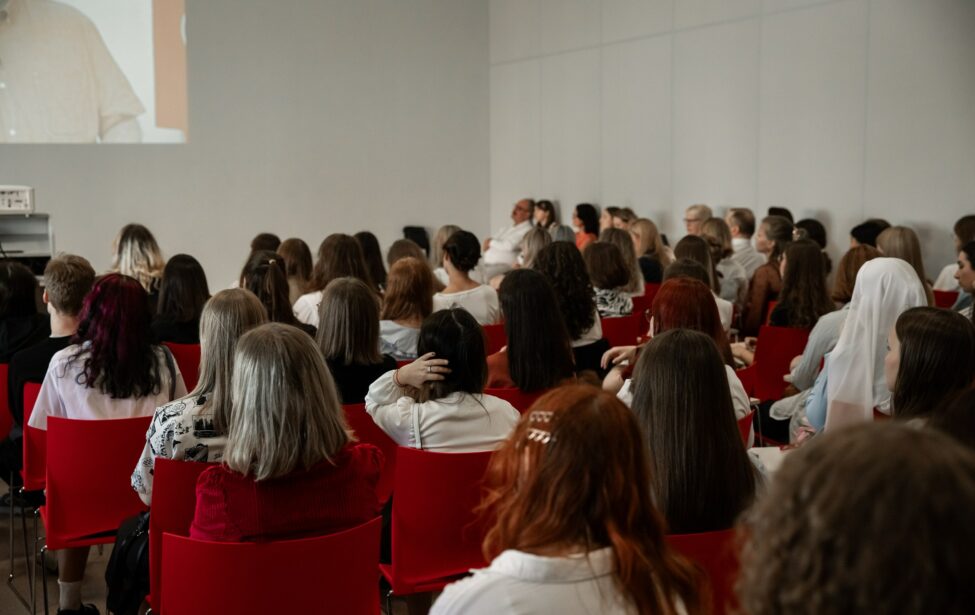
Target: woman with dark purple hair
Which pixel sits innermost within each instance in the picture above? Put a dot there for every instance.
(112, 370)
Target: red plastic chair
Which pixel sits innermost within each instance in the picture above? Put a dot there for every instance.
(366, 430)
(188, 358)
(945, 298)
(35, 443)
(173, 507)
(775, 349)
(621, 330)
(745, 427)
(6, 419)
(404, 363)
(436, 535)
(717, 554)
(516, 397)
(494, 338)
(326, 574)
(768, 310)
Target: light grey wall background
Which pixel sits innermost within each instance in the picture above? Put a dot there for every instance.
(842, 109)
(306, 118)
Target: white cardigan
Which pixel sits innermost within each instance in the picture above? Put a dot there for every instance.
(458, 423)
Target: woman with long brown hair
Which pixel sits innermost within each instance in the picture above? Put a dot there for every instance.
(408, 300)
(338, 256)
(574, 525)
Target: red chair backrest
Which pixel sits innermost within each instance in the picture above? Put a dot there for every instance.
(366, 430)
(188, 358)
(403, 363)
(776, 347)
(35, 443)
(89, 464)
(516, 397)
(745, 427)
(6, 419)
(326, 574)
(945, 298)
(173, 507)
(717, 554)
(494, 338)
(621, 330)
(768, 310)
(435, 532)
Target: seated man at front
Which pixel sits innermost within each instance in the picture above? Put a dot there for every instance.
(501, 250)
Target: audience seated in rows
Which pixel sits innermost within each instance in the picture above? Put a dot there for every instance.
(437, 402)
(265, 275)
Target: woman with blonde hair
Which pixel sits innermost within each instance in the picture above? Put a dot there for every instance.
(290, 466)
(194, 427)
(408, 300)
(436, 252)
(573, 525)
(651, 253)
(348, 336)
(621, 239)
(902, 242)
(136, 254)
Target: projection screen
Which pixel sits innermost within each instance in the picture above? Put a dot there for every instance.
(93, 71)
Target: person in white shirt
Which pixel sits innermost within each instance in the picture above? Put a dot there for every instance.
(501, 250)
(194, 427)
(964, 232)
(339, 256)
(460, 256)
(58, 81)
(741, 223)
(113, 372)
(437, 402)
(575, 530)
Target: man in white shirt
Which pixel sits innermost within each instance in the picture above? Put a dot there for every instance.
(501, 251)
(58, 81)
(741, 221)
(695, 216)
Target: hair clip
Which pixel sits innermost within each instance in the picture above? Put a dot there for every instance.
(540, 416)
(271, 261)
(540, 436)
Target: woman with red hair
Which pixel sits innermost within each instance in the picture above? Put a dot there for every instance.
(681, 303)
(574, 528)
(112, 370)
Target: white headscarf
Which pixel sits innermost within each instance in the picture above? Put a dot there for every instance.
(885, 288)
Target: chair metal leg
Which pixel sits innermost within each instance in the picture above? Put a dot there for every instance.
(44, 580)
(389, 602)
(10, 537)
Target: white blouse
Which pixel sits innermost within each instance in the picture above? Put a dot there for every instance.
(481, 301)
(306, 308)
(62, 396)
(397, 340)
(458, 423)
(520, 583)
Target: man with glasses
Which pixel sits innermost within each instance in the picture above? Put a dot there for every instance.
(501, 250)
(695, 216)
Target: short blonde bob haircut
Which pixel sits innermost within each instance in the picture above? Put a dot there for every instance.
(136, 254)
(286, 413)
(226, 316)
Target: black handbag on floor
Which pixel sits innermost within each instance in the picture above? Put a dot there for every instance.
(127, 574)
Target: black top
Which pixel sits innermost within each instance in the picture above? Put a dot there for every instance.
(353, 381)
(781, 315)
(22, 332)
(30, 365)
(653, 272)
(165, 330)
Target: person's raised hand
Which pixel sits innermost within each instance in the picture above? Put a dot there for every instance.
(424, 369)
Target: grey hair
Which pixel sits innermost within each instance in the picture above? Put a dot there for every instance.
(225, 317)
(536, 239)
(286, 412)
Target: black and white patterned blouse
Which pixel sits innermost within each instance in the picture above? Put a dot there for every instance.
(613, 302)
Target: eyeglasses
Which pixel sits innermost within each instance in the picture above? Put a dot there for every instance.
(689, 220)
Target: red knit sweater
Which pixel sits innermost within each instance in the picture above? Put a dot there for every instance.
(327, 498)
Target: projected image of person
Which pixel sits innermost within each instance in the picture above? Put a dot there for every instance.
(58, 81)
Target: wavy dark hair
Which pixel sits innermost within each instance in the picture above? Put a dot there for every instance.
(562, 264)
(589, 218)
(120, 359)
(701, 476)
(937, 360)
(373, 256)
(184, 290)
(454, 335)
(804, 284)
(858, 521)
(339, 256)
(539, 347)
(264, 274)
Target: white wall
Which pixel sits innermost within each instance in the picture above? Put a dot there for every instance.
(306, 118)
(841, 110)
